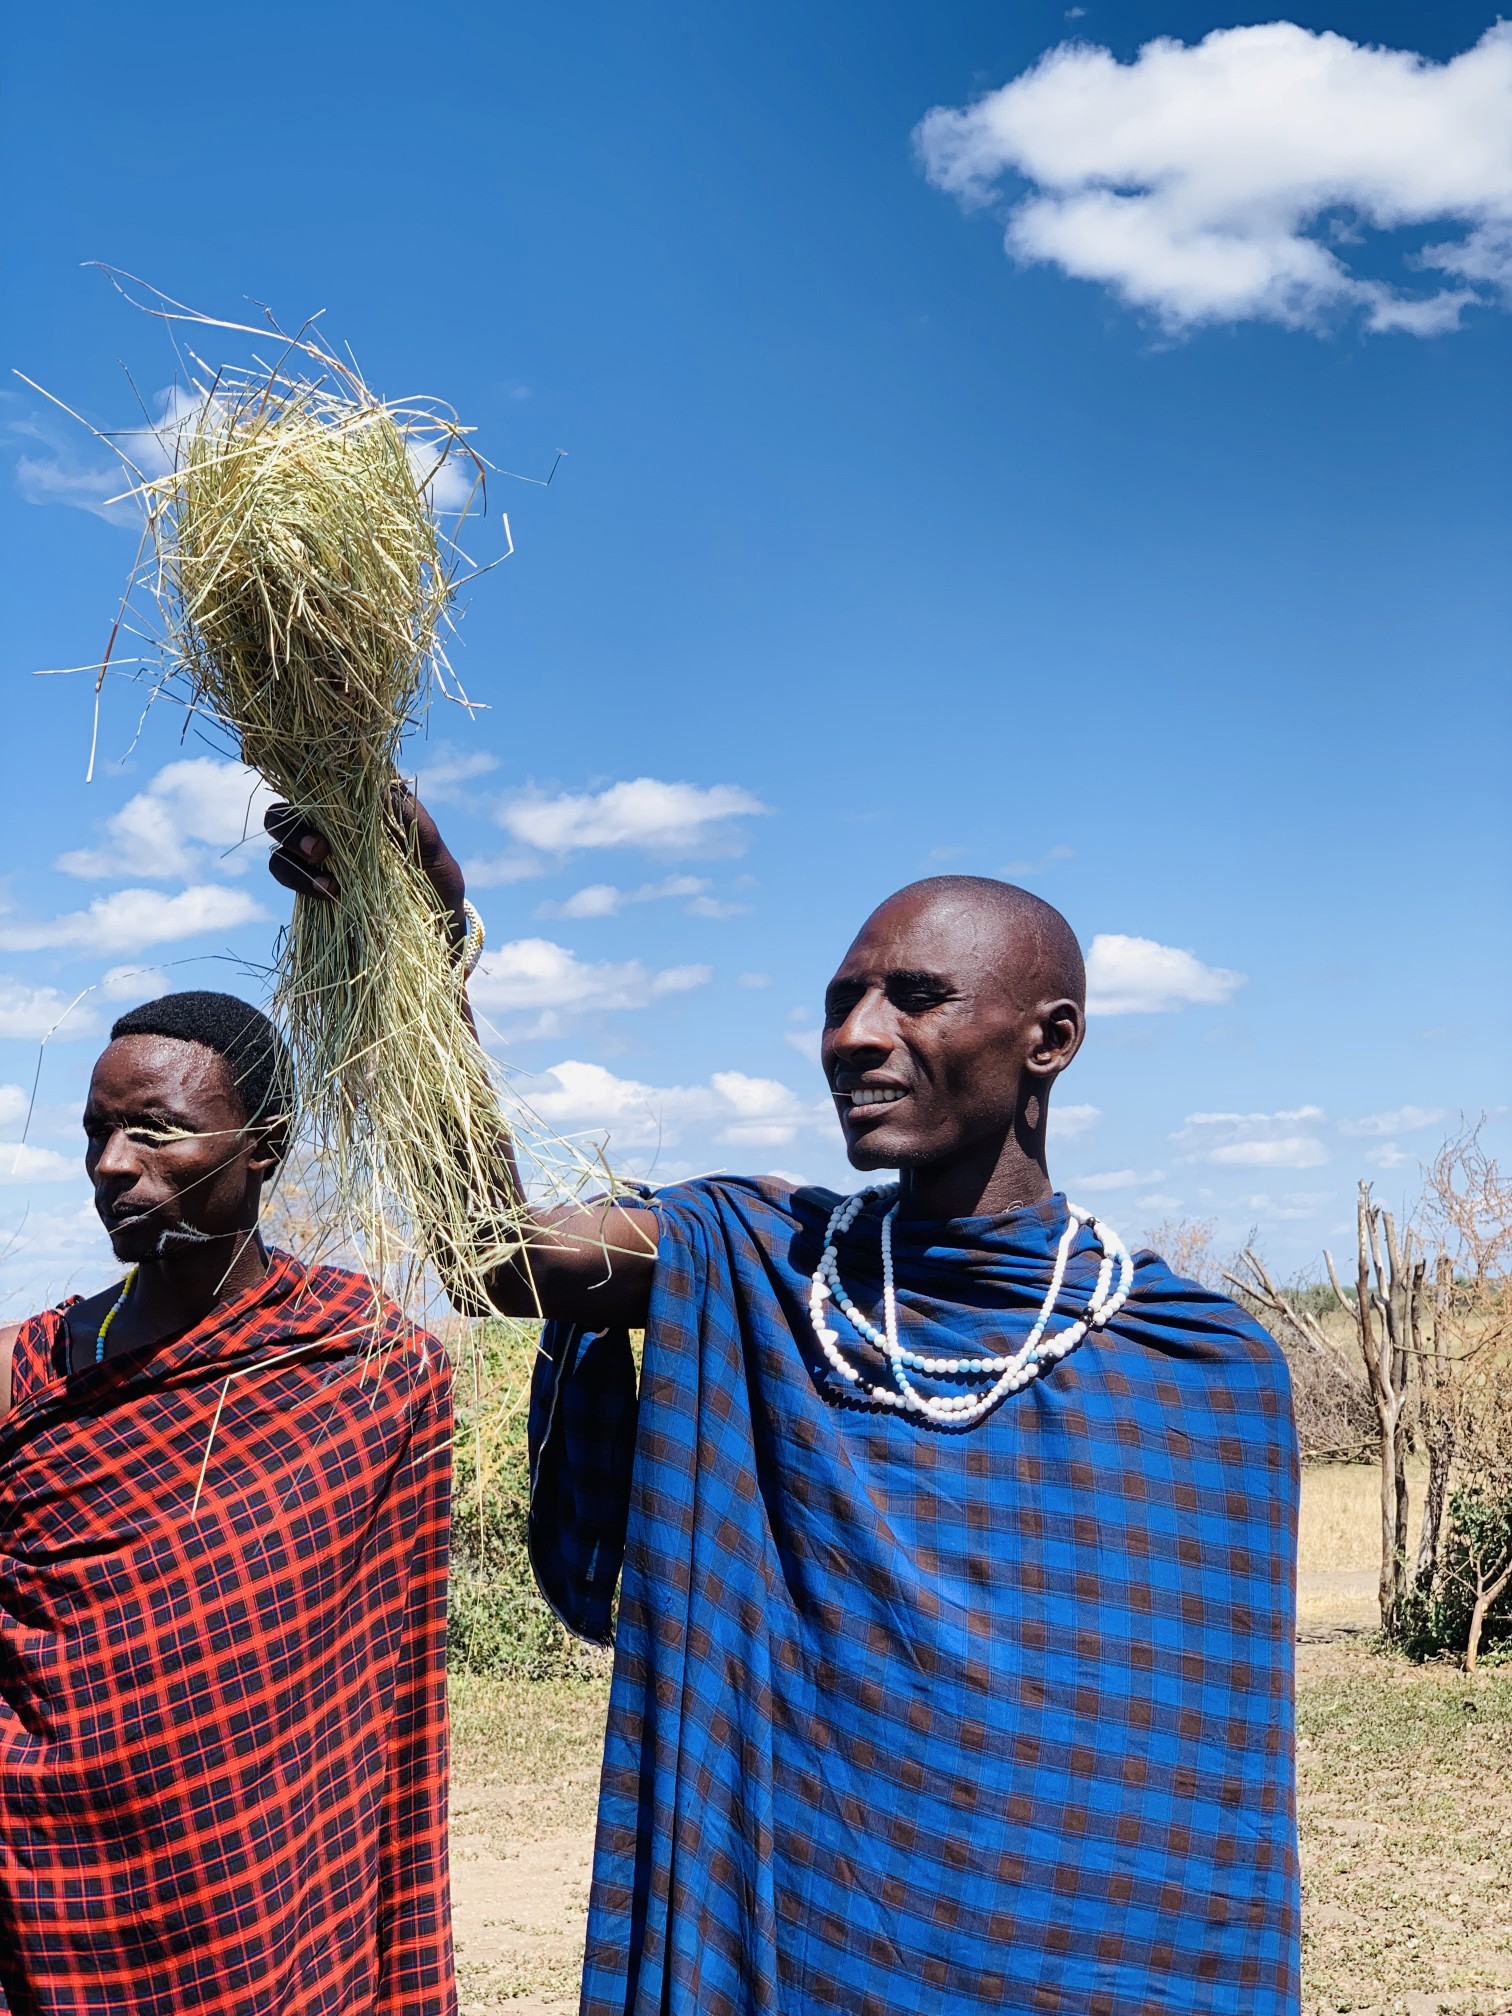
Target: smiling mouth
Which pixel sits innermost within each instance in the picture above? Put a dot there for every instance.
(875, 1095)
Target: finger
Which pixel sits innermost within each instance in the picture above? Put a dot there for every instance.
(299, 876)
(294, 833)
(410, 812)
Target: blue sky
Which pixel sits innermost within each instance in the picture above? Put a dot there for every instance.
(1159, 562)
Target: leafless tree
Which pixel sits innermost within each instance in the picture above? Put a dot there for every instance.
(1334, 1413)
(1431, 1313)
(1186, 1246)
(1467, 1208)
(1439, 1356)
(1389, 1282)
(1383, 1314)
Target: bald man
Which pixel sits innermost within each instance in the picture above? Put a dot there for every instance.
(953, 1653)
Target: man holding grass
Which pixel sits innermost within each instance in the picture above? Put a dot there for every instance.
(953, 1656)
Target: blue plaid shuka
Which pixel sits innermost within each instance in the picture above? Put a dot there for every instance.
(907, 1721)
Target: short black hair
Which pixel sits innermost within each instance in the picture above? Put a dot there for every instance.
(261, 1068)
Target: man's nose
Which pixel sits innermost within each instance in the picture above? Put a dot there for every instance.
(868, 1027)
(118, 1157)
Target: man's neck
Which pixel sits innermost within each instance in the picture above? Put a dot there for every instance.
(173, 1292)
(998, 1176)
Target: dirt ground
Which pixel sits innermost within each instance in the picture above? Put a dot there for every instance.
(1406, 1810)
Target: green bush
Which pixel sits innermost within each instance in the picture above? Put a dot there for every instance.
(498, 1623)
(1479, 1527)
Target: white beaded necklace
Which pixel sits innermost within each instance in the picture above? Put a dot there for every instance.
(957, 1410)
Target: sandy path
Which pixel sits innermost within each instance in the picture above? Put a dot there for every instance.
(524, 1787)
(518, 1919)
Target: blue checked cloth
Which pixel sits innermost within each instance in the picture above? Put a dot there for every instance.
(907, 1721)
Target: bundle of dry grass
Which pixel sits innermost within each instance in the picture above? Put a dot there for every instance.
(309, 582)
(303, 585)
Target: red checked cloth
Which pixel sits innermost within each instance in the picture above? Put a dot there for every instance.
(223, 1737)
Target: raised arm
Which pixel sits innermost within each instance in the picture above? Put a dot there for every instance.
(587, 1263)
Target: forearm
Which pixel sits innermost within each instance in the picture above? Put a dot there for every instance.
(587, 1263)
(584, 1263)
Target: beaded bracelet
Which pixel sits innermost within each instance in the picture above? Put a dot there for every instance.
(470, 951)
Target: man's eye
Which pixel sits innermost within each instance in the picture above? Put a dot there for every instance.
(915, 1000)
(838, 1006)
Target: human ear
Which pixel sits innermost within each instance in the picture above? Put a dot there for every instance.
(1062, 1025)
(267, 1156)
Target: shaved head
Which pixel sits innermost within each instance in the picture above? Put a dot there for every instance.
(1036, 947)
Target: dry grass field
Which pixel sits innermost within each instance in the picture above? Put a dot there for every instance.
(1406, 1809)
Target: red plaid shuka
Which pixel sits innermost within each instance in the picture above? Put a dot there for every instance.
(222, 1666)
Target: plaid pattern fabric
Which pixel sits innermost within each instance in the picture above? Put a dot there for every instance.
(223, 1724)
(907, 1721)
(582, 1446)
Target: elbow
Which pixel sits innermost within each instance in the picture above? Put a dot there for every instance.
(505, 1292)
(510, 1292)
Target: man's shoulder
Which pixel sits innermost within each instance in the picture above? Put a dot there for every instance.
(1214, 1325)
(783, 1194)
(11, 1334)
(771, 1210)
(344, 1300)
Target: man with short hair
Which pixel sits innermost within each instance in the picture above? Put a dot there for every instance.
(953, 1657)
(223, 1534)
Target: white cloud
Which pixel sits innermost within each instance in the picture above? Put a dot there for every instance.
(805, 1041)
(133, 919)
(1226, 181)
(1288, 1151)
(1069, 1123)
(1106, 1181)
(1389, 1156)
(135, 983)
(605, 899)
(497, 871)
(1285, 1140)
(28, 1014)
(44, 1254)
(1028, 866)
(1137, 976)
(535, 973)
(15, 1104)
(437, 781)
(1403, 1121)
(61, 475)
(1159, 1200)
(21, 1163)
(716, 908)
(755, 980)
(1295, 1207)
(199, 800)
(676, 819)
(61, 478)
(449, 479)
(733, 1109)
